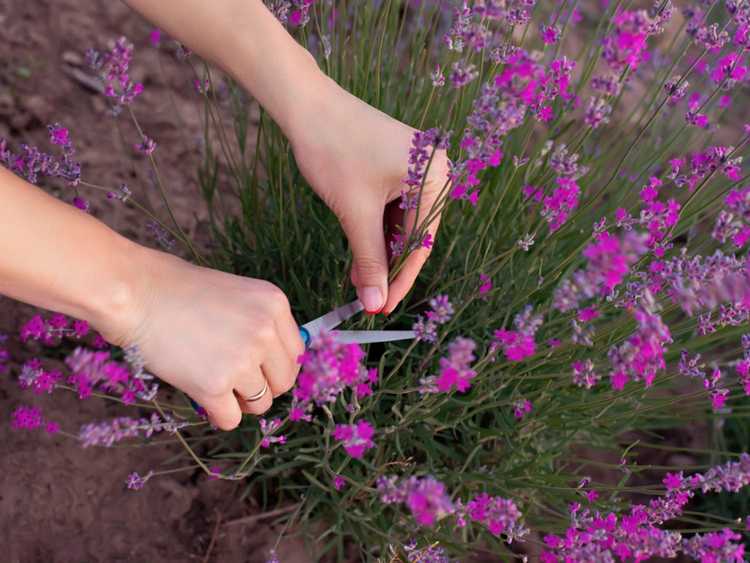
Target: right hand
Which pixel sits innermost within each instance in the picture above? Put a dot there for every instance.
(216, 336)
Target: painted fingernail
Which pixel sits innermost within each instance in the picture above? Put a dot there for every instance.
(371, 298)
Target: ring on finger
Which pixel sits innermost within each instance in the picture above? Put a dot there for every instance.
(257, 396)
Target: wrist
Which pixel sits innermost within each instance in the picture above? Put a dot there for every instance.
(116, 308)
(290, 87)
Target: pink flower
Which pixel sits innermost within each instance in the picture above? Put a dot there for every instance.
(550, 34)
(357, 438)
(485, 284)
(328, 368)
(455, 370)
(521, 408)
(563, 201)
(517, 346)
(673, 481)
(155, 37)
(588, 314)
(339, 482)
(26, 418)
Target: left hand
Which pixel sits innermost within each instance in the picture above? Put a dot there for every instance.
(356, 157)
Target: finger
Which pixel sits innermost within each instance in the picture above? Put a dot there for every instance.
(223, 411)
(250, 386)
(288, 331)
(279, 368)
(364, 230)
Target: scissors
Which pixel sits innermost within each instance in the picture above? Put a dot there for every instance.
(332, 319)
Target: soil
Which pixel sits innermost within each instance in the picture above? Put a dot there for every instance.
(59, 502)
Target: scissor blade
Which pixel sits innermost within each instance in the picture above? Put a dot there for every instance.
(331, 320)
(370, 336)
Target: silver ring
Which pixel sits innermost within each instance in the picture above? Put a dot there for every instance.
(257, 396)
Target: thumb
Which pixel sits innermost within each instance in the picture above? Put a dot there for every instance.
(370, 269)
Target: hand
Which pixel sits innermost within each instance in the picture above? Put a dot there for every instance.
(356, 158)
(216, 336)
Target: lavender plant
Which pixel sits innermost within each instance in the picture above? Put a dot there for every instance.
(588, 289)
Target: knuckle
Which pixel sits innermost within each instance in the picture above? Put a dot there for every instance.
(217, 385)
(264, 331)
(299, 349)
(276, 300)
(286, 383)
(369, 266)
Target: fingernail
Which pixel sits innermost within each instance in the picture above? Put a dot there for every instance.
(371, 298)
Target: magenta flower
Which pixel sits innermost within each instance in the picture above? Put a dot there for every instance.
(154, 37)
(609, 261)
(328, 368)
(626, 45)
(113, 67)
(440, 312)
(641, 356)
(561, 203)
(267, 429)
(339, 482)
(521, 408)
(147, 146)
(584, 374)
(517, 346)
(26, 418)
(135, 482)
(455, 369)
(357, 438)
(485, 284)
(550, 34)
(428, 500)
(499, 515)
(425, 497)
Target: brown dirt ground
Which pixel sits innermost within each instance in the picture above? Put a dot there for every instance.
(58, 502)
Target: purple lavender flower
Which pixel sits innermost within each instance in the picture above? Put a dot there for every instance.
(441, 311)
(33, 165)
(26, 418)
(455, 369)
(597, 112)
(357, 438)
(267, 429)
(584, 374)
(499, 515)
(113, 67)
(722, 546)
(425, 497)
(135, 482)
(147, 146)
(428, 554)
(328, 368)
(108, 433)
(424, 143)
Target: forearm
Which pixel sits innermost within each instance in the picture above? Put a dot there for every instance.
(55, 256)
(247, 41)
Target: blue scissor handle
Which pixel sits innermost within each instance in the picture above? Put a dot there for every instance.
(305, 334)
